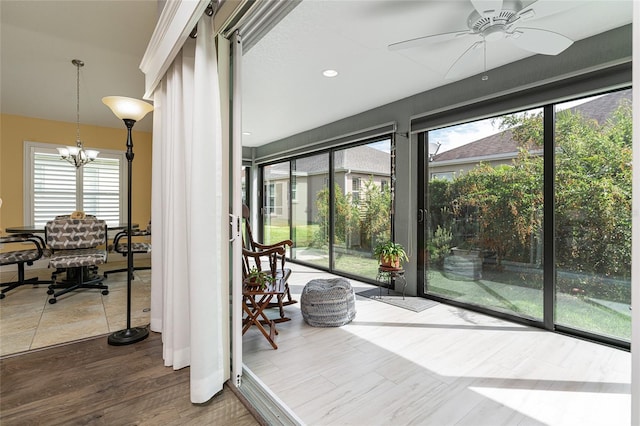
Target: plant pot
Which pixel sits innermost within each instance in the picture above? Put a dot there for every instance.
(389, 262)
(253, 284)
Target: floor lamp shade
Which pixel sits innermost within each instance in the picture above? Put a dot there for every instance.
(128, 110)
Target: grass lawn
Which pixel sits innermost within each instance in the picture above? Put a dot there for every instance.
(513, 293)
(574, 311)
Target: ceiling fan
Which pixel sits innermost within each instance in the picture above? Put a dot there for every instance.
(494, 20)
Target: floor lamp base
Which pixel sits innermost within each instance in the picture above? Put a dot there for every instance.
(128, 336)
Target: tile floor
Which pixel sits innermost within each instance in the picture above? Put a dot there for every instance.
(29, 321)
(442, 366)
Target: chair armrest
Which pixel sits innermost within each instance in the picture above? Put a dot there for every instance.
(272, 256)
(282, 243)
(36, 240)
(134, 233)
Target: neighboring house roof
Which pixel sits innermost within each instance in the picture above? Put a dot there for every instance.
(358, 159)
(602, 108)
(363, 159)
(502, 144)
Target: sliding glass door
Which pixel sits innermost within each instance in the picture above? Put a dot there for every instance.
(361, 206)
(309, 196)
(494, 195)
(485, 198)
(275, 203)
(334, 205)
(593, 214)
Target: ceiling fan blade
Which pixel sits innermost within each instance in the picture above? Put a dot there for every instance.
(540, 41)
(469, 60)
(487, 7)
(421, 41)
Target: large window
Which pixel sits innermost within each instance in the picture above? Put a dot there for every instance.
(275, 203)
(55, 187)
(542, 234)
(593, 214)
(485, 224)
(332, 226)
(361, 206)
(310, 209)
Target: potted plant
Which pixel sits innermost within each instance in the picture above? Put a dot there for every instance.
(258, 279)
(391, 254)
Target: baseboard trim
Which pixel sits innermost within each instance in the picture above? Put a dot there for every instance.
(265, 402)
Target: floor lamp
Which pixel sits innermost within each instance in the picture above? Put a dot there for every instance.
(128, 110)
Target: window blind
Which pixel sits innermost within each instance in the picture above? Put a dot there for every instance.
(54, 187)
(101, 189)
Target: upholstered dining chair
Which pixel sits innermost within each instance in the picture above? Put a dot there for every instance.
(23, 249)
(76, 247)
(252, 250)
(121, 245)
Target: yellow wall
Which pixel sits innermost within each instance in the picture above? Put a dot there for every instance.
(15, 130)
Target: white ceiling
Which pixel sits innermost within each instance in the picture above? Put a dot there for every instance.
(40, 38)
(284, 91)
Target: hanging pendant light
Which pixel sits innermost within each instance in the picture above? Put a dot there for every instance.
(77, 155)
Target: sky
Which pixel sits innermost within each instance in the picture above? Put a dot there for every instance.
(455, 136)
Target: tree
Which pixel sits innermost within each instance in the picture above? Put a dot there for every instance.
(375, 214)
(592, 194)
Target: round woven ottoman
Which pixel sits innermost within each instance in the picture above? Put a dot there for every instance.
(328, 303)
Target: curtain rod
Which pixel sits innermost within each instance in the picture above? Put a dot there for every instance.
(211, 9)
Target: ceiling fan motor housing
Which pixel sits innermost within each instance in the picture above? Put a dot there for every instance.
(493, 26)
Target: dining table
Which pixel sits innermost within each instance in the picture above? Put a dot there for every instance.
(39, 229)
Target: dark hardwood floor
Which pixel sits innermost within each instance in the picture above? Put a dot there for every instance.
(90, 382)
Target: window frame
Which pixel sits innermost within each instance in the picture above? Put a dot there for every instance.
(31, 148)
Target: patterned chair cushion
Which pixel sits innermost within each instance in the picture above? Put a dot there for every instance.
(77, 258)
(22, 255)
(66, 234)
(19, 256)
(135, 247)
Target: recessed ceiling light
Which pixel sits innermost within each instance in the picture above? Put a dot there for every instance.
(330, 73)
(246, 133)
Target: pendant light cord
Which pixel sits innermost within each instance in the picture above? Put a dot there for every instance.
(78, 63)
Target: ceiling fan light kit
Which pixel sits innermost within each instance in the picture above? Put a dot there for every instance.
(490, 22)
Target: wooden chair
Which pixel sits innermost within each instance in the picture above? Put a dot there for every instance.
(255, 299)
(254, 253)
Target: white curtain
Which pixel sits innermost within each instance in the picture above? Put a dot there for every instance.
(188, 214)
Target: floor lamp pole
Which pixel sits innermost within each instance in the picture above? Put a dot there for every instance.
(128, 110)
(130, 334)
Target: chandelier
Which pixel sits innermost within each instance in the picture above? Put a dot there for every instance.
(77, 155)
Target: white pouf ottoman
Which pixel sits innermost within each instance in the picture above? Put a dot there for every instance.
(328, 302)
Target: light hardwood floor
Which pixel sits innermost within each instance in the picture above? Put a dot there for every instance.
(93, 383)
(442, 366)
